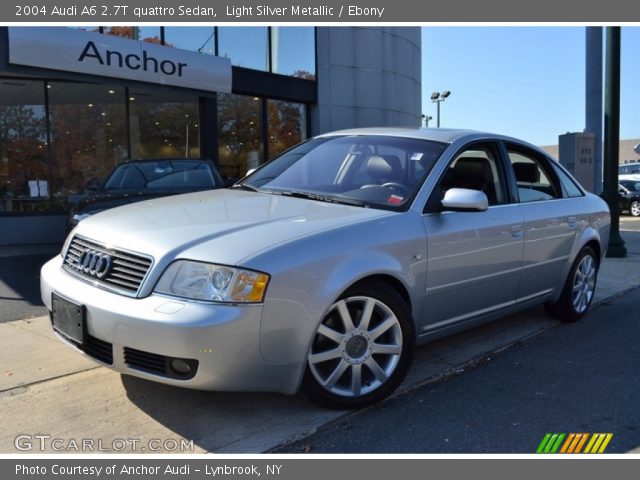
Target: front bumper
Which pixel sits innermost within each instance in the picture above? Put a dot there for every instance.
(224, 339)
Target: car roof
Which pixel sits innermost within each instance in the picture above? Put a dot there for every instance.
(445, 135)
(149, 160)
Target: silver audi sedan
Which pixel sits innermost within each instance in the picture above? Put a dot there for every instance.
(324, 268)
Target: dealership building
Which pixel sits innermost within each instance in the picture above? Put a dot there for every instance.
(75, 102)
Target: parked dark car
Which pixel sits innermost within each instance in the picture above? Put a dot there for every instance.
(138, 180)
(630, 196)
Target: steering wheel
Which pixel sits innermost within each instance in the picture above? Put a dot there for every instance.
(400, 188)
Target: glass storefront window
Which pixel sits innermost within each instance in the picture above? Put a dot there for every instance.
(145, 34)
(245, 46)
(287, 125)
(88, 137)
(194, 39)
(23, 147)
(239, 134)
(87, 28)
(164, 125)
(293, 51)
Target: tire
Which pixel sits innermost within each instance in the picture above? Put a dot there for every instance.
(380, 349)
(578, 291)
(634, 208)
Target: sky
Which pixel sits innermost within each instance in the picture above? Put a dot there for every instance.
(526, 82)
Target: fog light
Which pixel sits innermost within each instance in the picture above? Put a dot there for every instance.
(180, 367)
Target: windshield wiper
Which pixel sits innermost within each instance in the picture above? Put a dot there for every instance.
(246, 186)
(322, 198)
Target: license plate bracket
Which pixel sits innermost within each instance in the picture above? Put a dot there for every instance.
(68, 318)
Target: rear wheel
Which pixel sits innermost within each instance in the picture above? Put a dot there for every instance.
(361, 350)
(578, 290)
(634, 208)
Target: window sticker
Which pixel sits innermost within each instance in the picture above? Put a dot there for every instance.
(395, 199)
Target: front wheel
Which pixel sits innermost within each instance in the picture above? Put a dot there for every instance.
(361, 350)
(634, 208)
(578, 290)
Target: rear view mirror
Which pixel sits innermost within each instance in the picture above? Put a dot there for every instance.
(465, 200)
(250, 171)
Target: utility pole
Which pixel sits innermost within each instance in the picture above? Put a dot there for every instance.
(612, 140)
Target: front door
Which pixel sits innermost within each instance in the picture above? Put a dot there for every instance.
(474, 258)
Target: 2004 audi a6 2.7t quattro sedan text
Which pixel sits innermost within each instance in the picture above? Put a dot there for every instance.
(324, 268)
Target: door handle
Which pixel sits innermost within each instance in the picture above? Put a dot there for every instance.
(572, 221)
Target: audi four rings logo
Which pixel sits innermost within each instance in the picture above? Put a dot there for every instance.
(94, 263)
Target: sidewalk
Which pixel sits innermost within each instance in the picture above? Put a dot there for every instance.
(55, 391)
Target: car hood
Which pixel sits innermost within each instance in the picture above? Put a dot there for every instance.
(104, 200)
(221, 226)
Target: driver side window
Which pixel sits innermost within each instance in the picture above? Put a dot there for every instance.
(477, 167)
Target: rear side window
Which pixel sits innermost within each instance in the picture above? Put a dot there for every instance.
(571, 190)
(536, 180)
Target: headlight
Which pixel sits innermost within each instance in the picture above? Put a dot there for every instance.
(215, 283)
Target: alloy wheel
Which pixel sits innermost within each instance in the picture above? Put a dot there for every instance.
(584, 283)
(357, 347)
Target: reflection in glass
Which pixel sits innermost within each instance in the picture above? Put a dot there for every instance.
(88, 137)
(23, 147)
(145, 34)
(164, 125)
(86, 28)
(239, 134)
(287, 125)
(194, 39)
(293, 51)
(245, 46)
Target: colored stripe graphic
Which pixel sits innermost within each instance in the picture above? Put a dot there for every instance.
(598, 443)
(574, 443)
(550, 443)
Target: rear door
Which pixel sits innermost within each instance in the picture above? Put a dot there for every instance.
(551, 211)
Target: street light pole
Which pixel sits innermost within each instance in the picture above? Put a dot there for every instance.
(612, 140)
(437, 97)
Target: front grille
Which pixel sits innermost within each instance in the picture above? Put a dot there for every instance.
(98, 349)
(149, 362)
(126, 270)
(157, 364)
(94, 347)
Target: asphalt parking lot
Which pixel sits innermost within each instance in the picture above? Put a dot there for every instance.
(46, 388)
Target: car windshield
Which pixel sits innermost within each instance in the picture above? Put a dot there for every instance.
(631, 186)
(162, 175)
(365, 170)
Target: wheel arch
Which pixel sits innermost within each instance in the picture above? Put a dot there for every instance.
(388, 280)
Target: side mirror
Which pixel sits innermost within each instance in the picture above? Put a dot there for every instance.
(465, 200)
(92, 185)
